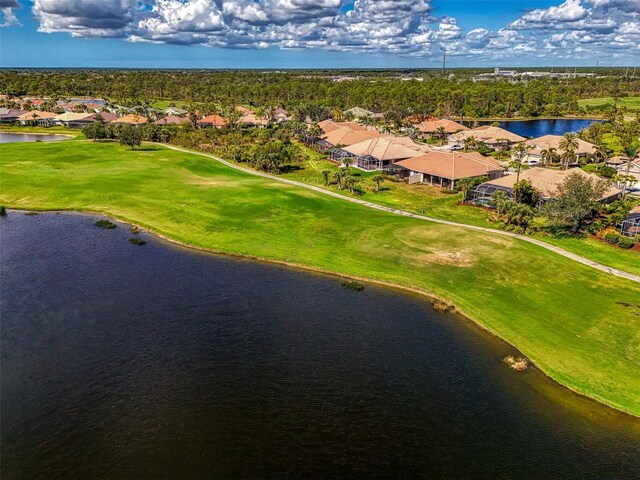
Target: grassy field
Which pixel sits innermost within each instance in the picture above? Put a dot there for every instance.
(581, 326)
(433, 202)
(632, 103)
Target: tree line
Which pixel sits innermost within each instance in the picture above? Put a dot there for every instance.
(458, 96)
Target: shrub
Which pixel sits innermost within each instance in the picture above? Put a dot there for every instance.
(443, 307)
(3, 211)
(612, 237)
(105, 224)
(137, 241)
(626, 242)
(352, 285)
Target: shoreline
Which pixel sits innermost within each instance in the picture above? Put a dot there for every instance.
(299, 266)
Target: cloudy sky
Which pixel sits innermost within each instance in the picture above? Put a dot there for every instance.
(318, 33)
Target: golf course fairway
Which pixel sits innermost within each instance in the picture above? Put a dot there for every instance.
(579, 325)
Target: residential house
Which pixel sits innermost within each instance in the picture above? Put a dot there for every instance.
(171, 120)
(10, 115)
(74, 120)
(379, 153)
(280, 115)
(213, 121)
(359, 113)
(37, 117)
(178, 112)
(131, 119)
(444, 169)
(328, 126)
(344, 136)
(492, 136)
(547, 142)
(107, 117)
(545, 180)
(429, 127)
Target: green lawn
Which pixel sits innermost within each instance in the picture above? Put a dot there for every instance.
(433, 202)
(581, 326)
(632, 103)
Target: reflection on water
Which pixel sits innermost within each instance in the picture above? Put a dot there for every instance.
(125, 361)
(538, 128)
(29, 137)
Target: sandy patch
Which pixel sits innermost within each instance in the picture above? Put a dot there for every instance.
(456, 258)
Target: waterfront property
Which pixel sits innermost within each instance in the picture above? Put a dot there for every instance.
(74, 120)
(37, 117)
(10, 115)
(492, 136)
(444, 169)
(545, 180)
(430, 127)
(547, 143)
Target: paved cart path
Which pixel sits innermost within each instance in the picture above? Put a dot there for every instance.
(540, 243)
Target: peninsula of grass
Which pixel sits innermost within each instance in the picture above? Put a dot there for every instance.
(579, 325)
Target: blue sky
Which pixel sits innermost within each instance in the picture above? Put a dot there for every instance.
(318, 33)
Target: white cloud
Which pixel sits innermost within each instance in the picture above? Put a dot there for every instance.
(399, 27)
(8, 17)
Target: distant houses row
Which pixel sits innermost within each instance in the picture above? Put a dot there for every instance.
(444, 166)
(171, 116)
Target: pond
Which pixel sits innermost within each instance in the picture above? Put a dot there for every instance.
(30, 137)
(538, 128)
(155, 361)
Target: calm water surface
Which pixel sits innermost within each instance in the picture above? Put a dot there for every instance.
(538, 128)
(156, 362)
(29, 137)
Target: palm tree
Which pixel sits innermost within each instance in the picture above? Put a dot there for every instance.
(347, 162)
(440, 134)
(569, 144)
(630, 152)
(549, 156)
(337, 176)
(518, 154)
(600, 153)
(469, 143)
(464, 185)
(325, 175)
(378, 179)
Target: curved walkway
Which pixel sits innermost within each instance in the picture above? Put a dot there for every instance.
(540, 243)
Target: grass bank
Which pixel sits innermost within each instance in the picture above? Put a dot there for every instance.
(631, 103)
(580, 326)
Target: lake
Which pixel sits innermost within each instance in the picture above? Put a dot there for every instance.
(30, 137)
(538, 128)
(159, 362)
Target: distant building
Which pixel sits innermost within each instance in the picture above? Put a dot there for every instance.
(171, 120)
(213, 121)
(131, 119)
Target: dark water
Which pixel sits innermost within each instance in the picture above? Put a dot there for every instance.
(125, 361)
(29, 137)
(538, 128)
